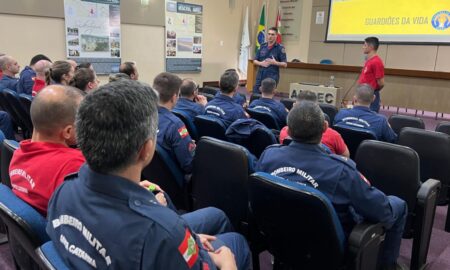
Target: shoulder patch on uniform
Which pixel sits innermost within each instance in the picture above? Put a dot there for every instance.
(283, 50)
(189, 249)
(365, 179)
(183, 132)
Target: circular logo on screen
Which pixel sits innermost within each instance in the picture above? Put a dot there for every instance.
(441, 20)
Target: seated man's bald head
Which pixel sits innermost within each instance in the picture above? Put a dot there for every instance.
(42, 66)
(54, 108)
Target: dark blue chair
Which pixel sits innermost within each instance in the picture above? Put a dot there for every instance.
(165, 172)
(220, 177)
(18, 113)
(210, 90)
(192, 129)
(434, 153)
(353, 137)
(288, 103)
(443, 127)
(302, 229)
(264, 117)
(210, 126)
(326, 62)
(7, 150)
(209, 97)
(50, 258)
(398, 122)
(26, 100)
(330, 111)
(25, 226)
(394, 169)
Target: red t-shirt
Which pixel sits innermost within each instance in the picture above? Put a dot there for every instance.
(1, 73)
(37, 86)
(373, 70)
(38, 168)
(331, 138)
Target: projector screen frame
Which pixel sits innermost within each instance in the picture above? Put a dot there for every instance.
(381, 41)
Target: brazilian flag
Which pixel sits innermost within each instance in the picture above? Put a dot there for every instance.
(261, 33)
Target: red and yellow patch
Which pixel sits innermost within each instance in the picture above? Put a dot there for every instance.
(183, 132)
(189, 249)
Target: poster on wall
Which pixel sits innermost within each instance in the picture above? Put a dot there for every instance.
(183, 37)
(93, 33)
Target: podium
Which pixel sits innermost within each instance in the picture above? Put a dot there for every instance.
(325, 94)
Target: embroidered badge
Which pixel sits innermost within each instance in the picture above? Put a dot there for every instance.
(183, 132)
(189, 249)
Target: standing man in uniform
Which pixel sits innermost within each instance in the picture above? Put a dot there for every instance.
(373, 71)
(270, 57)
(336, 177)
(104, 218)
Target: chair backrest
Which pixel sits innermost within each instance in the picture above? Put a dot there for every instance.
(50, 259)
(166, 173)
(443, 127)
(7, 150)
(220, 177)
(26, 100)
(288, 103)
(398, 122)
(393, 169)
(254, 96)
(26, 227)
(353, 137)
(192, 129)
(210, 126)
(329, 110)
(300, 224)
(264, 117)
(434, 153)
(19, 114)
(210, 90)
(259, 140)
(209, 97)
(326, 61)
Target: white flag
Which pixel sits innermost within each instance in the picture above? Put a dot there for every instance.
(245, 46)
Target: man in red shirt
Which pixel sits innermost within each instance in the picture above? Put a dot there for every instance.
(373, 71)
(40, 68)
(330, 138)
(40, 165)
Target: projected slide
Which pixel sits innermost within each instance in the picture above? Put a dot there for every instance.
(409, 21)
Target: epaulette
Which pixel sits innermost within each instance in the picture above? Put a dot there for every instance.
(345, 160)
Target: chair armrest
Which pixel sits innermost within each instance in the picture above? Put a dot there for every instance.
(426, 189)
(364, 245)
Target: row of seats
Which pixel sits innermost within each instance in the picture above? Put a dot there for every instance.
(274, 212)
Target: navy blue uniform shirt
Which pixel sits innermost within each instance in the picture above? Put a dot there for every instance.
(278, 53)
(277, 109)
(108, 222)
(190, 107)
(174, 137)
(25, 84)
(335, 176)
(239, 99)
(361, 117)
(225, 108)
(8, 82)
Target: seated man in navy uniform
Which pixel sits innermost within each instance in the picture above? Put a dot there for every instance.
(173, 135)
(223, 105)
(190, 101)
(350, 192)
(267, 104)
(238, 98)
(361, 117)
(270, 57)
(104, 218)
(10, 68)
